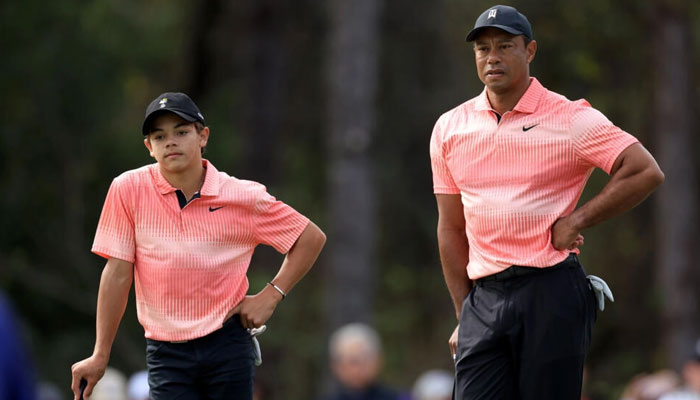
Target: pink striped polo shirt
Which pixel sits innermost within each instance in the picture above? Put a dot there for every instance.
(190, 264)
(516, 177)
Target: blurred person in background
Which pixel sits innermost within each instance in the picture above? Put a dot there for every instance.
(651, 386)
(509, 167)
(434, 385)
(48, 391)
(112, 386)
(137, 386)
(356, 362)
(691, 379)
(16, 371)
(260, 391)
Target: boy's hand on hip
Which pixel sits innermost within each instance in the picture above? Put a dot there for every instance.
(565, 235)
(257, 309)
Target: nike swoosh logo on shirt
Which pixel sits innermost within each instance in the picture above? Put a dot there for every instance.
(212, 209)
(525, 129)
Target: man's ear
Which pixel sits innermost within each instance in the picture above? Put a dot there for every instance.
(531, 50)
(147, 142)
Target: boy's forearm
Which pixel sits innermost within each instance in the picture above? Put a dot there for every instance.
(300, 258)
(112, 298)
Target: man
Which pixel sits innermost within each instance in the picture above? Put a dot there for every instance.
(185, 233)
(356, 361)
(508, 168)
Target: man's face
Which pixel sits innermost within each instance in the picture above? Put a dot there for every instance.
(503, 60)
(175, 143)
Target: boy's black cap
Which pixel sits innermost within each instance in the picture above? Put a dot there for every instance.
(502, 17)
(178, 103)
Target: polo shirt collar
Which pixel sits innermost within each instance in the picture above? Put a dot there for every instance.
(211, 184)
(209, 188)
(527, 103)
(482, 102)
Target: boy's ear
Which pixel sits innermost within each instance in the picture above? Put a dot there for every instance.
(147, 142)
(204, 136)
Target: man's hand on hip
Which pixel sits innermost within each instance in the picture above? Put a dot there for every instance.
(565, 235)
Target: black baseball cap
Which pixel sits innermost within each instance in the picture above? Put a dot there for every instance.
(174, 102)
(502, 17)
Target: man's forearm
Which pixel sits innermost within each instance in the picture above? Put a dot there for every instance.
(112, 297)
(633, 180)
(454, 256)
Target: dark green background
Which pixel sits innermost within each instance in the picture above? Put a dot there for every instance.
(76, 77)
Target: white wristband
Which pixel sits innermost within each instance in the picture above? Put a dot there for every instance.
(284, 295)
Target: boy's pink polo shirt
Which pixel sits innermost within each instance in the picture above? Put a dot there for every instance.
(190, 264)
(517, 177)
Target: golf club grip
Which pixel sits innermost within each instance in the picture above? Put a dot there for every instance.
(83, 385)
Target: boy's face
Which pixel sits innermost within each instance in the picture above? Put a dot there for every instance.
(175, 143)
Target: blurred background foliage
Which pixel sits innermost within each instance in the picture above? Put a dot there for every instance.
(76, 77)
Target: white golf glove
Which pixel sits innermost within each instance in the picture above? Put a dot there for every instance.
(601, 290)
(256, 345)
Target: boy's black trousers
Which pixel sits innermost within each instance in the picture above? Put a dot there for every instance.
(217, 366)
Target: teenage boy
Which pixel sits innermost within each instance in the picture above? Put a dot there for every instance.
(185, 233)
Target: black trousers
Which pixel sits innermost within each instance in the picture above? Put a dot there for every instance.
(526, 336)
(217, 366)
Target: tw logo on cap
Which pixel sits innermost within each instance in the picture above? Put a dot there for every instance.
(163, 102)
(492, 13)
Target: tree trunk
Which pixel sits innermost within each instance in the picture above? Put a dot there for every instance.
(677, 199)
(352, 77)
(266, 87)
(244, 41)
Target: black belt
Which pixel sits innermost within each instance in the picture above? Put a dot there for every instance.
(515, 271)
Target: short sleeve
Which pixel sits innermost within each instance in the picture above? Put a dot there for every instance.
(442, 178)
(115, 231)
(277, 224)
(597, 141)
